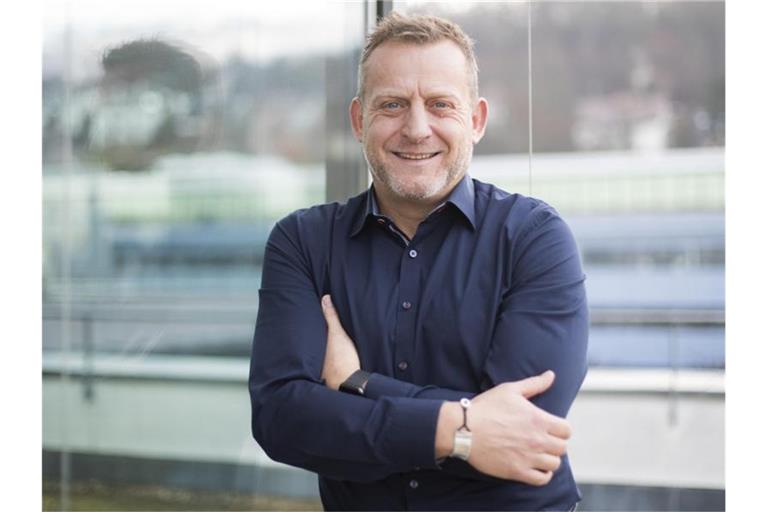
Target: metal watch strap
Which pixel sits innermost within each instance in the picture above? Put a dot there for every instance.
(462, 439)
(355, 383)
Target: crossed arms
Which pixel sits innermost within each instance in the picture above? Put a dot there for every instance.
(518, 428)
(513, 439)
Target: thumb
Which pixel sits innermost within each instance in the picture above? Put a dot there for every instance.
(533, 386)
(329, 312)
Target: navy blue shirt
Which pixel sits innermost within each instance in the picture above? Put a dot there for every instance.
(489, 290)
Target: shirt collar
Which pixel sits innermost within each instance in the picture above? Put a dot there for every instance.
(462, 197)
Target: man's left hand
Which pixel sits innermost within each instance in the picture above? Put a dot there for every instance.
(341, 359)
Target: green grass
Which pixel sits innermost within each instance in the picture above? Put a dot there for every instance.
(96, 496)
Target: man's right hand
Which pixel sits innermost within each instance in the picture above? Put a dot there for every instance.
(511, 438)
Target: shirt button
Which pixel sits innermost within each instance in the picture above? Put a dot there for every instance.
(413, 253)
(414, 484)
(403, 365)
(406, 305)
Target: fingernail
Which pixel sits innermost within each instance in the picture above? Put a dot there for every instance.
(326, 301)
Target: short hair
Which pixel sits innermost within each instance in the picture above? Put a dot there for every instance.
(419, 30)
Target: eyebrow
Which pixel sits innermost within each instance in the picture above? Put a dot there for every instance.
(394, 94)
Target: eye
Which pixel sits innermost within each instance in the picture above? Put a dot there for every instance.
(440, 104)
(392, 105)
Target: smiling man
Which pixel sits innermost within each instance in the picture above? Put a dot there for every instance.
(420, 345)
(418, 116)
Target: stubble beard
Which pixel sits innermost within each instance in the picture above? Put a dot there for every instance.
(410, 191)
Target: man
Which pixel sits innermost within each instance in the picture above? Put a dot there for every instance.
(448, 304)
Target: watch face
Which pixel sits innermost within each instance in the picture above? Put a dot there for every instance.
(462, 444)
(355, 383)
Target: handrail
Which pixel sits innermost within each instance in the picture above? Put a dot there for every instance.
(235, 369)
(237, 314)
(657, 316)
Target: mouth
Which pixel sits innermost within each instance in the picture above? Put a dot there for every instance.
(415, 156)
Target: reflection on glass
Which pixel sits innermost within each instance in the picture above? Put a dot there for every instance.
(182, 152)
(174, 136)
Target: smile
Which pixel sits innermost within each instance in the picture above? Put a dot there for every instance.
(415, 156)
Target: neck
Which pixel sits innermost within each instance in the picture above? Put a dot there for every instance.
(407, 214)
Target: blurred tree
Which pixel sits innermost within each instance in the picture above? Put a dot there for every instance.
(150, 104)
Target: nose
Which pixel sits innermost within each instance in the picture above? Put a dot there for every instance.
(416, 127)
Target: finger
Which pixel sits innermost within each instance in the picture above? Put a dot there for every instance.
(329, 312)
(533, 386)
(559, 427)
(545, 462)
(555, 446)
(536, 477)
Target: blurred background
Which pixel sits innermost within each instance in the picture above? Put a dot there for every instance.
(175, 134)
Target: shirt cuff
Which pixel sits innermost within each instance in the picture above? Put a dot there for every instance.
(380, 386)
(412, 431)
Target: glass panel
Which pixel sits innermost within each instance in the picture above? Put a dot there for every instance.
(628, 132)
(174, 135)
(627, 138)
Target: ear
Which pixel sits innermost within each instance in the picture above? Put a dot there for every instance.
(356, 117)
(479, 119)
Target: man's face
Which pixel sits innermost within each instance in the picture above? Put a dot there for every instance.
(417, 121)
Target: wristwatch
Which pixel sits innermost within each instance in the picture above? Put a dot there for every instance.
(462, 439)
(355, 383)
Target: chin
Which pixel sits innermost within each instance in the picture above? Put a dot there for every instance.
(417, 191)
(416, 185)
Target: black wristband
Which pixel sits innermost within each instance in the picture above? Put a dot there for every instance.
(355, 383)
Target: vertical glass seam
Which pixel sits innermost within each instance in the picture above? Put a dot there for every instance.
(530, 105)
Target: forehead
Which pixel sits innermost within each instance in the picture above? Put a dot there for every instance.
(408, 67)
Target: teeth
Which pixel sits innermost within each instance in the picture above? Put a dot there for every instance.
(415, 156)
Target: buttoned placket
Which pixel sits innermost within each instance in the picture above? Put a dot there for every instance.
(407, 308)
(408, 293)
